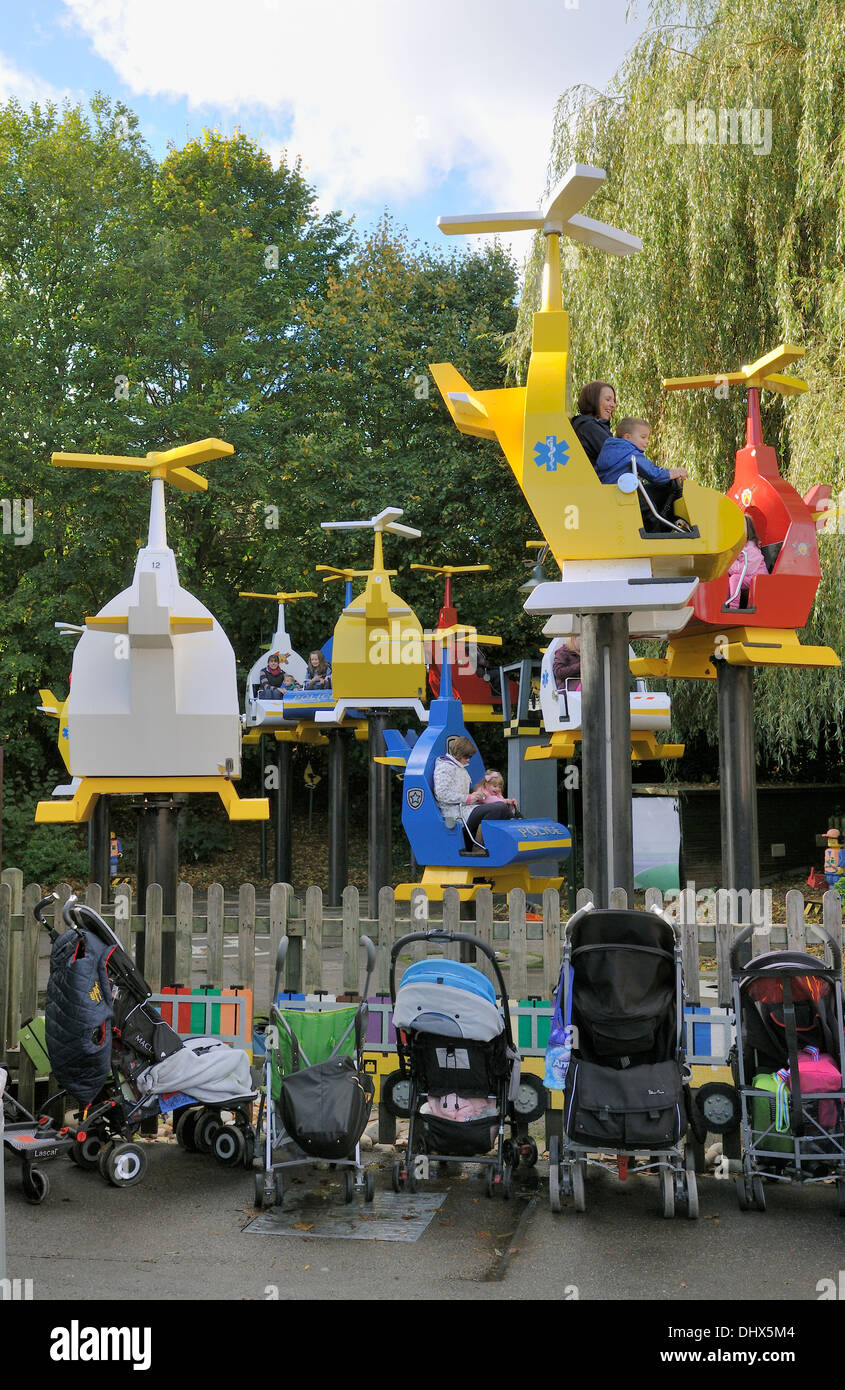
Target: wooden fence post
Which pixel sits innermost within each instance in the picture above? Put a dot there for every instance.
(484, 929)
(387, 934)
(5, 962)
(246, 936)
(518, 958)
(313, 939)
(551, 941)
(350, 980)
(183, 959)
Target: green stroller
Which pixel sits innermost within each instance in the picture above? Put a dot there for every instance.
(317, 1097)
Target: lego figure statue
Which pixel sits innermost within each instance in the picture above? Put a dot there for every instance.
(834, 858)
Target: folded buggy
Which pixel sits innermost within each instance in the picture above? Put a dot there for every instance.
(616, 1049)
(788, 1069)
(317, 1097)
(111, 1051)
(459, 1072)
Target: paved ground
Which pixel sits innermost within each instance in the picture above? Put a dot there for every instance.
(180, 1234)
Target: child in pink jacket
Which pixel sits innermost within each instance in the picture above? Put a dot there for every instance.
(748, 563)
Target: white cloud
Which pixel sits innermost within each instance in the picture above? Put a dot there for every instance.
(383, 99)
(27, 87)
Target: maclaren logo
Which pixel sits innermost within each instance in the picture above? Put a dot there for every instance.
(415, 797)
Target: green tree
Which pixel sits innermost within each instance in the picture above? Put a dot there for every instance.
(742, 250)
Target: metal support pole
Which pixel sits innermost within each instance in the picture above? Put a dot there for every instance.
(158, 862)
(380, 852)
(284, 810)
(99, 857)
(738, 777)
(338, 817)
(262, 823)
(606, 755)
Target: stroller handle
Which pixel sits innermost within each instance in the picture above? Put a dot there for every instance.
(281, 957)
(743, 936)
(39, 910)
(835, 951)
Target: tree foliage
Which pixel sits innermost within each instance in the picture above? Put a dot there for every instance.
(742, 250)
(144, 304)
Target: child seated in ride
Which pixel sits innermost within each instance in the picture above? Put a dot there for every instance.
(663, 486)
(453, 796)
(749, 562)
(492, 785)
(319, 672)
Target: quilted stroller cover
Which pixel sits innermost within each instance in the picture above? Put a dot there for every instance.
(78, 1014)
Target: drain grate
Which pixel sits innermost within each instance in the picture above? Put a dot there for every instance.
(390, 1216)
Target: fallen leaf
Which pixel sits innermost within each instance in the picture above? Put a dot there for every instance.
(303, 1225)
(484, 1234)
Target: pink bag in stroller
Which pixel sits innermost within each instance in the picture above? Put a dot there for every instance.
(817, 1072)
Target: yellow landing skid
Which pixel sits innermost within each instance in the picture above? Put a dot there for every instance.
(469, 880)
(306, 733)
(693, 658)
(80, 806)
(481, 714)
(643, 747)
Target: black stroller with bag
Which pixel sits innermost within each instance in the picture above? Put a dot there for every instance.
(617, 1051)
(111, 1051)
(789, 1065)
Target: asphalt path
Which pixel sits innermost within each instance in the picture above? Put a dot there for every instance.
(181, 1234)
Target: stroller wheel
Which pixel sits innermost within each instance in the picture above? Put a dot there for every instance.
(102, 1157)
(125, 1165)
(579, 1195)
(396, 1180)
(228, 1146)
(528, 1153)
(742, 1195)
(206, 1127)
(36, 1185)
(531, 1098)
(758, 1192)
(249, 1148)
(86, 1154)
(840, 1196)
(369, 1185)
(691, 1185)
(554, 1173)
(265, 1190)
(506, 1183)
(667, 1193)
(488, 1180)
(186, 1127)
(348, 1184)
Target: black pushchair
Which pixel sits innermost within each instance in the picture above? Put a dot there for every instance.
(317, 1096)
(789, 1064)
(111, 1051)
(618, 1054)
(458, 1081)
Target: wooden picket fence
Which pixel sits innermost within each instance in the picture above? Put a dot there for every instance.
(232, 943)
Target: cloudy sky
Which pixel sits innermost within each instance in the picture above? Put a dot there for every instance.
(425, 108)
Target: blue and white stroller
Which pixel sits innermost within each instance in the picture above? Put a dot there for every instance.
(459, 1072)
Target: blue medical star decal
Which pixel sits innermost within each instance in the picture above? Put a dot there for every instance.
(550, 452)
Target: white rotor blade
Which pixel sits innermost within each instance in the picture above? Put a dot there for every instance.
(602, 236)
(467, 223)
(396, 528)
(575, 189)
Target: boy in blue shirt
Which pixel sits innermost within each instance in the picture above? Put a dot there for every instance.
(663, 485)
